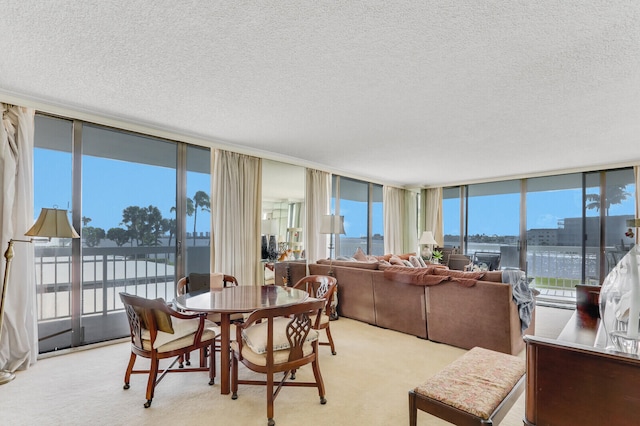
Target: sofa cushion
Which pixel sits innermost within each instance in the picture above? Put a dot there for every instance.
(467, 279)
(350, 264)
(415, 276)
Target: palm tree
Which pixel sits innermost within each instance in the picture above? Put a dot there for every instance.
(201, 199)
(615, 194)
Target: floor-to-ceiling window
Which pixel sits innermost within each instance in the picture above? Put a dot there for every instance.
(562, 229)
(493, 220)
(198, 210)
(360, 203)
(555, 231)
(452, 212)
(377, 221)
(123, 190)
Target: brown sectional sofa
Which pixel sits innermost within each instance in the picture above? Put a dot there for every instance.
(482, 314)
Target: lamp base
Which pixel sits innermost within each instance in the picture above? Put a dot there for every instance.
(6, 377)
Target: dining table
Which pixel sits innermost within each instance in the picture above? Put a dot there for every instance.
(232, 300)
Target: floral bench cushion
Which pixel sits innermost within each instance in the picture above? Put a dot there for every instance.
(475, 383)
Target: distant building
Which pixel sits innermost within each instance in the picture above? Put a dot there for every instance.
(543, 237)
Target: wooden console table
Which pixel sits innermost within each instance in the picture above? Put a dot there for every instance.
(569, 381)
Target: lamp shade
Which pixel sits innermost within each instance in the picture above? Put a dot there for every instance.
(269, 227)
(427, 238)
(332, 224)
(52, 223)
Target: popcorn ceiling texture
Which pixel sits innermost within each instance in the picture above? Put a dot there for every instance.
(400, 92)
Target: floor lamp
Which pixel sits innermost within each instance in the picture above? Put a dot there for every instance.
(332, 225)
(52, 223)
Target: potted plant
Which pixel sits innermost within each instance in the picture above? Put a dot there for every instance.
(436, 256)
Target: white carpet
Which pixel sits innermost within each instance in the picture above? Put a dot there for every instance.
(366, 384)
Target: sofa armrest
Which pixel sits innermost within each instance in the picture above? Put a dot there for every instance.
(482, 315)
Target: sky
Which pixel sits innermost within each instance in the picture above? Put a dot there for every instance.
(109, 186)
(499, 214)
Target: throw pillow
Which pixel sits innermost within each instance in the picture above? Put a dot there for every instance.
(415, 262)
(163, 320)
(422, 262)
(395, 260)
(359, 255)
(406, 256)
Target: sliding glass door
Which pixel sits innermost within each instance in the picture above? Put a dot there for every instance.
(142, 206)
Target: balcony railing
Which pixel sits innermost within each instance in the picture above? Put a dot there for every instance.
(149, 272)
(106, 271)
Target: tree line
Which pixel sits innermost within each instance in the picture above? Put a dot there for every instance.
(145, 226)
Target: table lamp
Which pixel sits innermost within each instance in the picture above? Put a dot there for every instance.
(52, 223)
(427, 241)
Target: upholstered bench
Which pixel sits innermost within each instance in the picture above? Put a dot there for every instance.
(478, 388)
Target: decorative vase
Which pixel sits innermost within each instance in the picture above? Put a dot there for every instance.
(620, 304)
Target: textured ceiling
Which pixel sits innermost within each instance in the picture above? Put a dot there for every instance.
(400, 92)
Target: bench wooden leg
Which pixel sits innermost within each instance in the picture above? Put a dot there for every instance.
(413, 410)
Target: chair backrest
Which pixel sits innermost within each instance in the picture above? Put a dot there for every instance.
(446, 252)
(195, 282)
(318, 286)
(149, 314)
(490, 259)
(297, 329)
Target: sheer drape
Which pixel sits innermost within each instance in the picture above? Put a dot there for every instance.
(410, 222)
(431, 209)
(317, 198)
(393, 219)
(237, 204)
(400, 220)
(18, 338)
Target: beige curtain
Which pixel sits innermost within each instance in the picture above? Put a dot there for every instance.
(393, 204)
(400, 220)
(317, 201)
(237, 203)
(18, 337)
(431, 212)
(411, 222)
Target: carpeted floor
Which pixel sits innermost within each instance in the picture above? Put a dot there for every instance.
(366, 384)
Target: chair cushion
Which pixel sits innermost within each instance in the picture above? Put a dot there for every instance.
(181, 328)
(279, 357)
(209, 333)
(255, 336)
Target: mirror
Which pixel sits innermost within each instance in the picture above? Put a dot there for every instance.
(282, 211)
